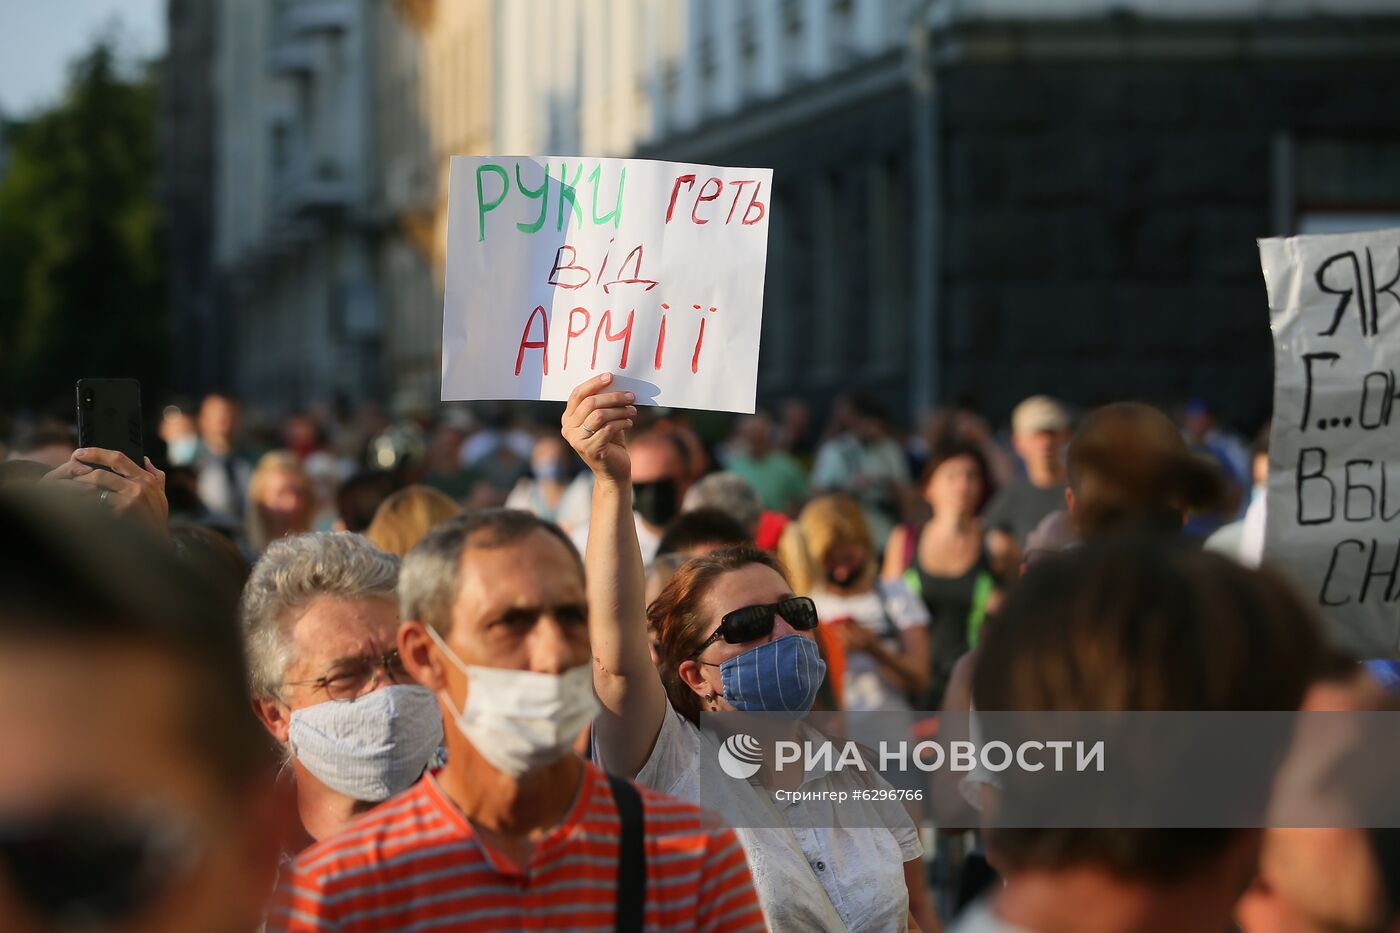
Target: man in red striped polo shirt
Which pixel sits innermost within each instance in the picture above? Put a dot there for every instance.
(516, 832)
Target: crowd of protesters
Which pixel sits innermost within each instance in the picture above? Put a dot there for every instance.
(347, 672)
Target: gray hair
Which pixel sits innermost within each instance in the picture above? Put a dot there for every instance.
(293, 572)
(428, 584)
(728, 492)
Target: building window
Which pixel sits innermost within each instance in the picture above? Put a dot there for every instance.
(792, 17)
(888, 235)
(796, 214)
(828, 356)
(747, 38)
(775, 345)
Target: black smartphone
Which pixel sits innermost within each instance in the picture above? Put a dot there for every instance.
(109, 416)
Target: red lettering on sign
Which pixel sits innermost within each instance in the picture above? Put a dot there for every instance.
(738, 193)
(561, 266)
(527, 344)
(605, 330)
(675, 190)
(754, 202)
(661, 338)
(695, 357)
(635, 258)
(572, 333)
(703, 197)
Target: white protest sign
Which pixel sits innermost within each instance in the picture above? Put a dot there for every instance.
(1334, 458)
(559, 268)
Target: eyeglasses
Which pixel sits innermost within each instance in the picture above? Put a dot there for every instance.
(349, 678)
(86, 868)
(753, 622)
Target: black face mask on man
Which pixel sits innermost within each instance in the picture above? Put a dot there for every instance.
(656, 502)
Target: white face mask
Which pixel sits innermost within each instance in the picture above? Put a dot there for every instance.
(522, 720)
(372, 747)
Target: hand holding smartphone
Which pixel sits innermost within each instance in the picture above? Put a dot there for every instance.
(110, 461)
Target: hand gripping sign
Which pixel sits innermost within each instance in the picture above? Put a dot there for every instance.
(1334, 454)
(559, 268)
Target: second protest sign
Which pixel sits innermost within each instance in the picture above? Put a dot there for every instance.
(1334, 465)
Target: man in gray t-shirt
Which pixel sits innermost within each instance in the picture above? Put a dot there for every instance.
(1039, 432)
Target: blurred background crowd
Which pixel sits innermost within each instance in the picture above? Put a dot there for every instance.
(254, 478)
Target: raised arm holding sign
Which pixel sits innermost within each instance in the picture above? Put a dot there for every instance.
(561, 268)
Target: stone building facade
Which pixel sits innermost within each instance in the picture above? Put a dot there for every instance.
(975, 199)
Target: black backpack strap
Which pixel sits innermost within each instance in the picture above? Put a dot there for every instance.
(631, 859)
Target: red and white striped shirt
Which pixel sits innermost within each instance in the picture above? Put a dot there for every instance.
(415, 863)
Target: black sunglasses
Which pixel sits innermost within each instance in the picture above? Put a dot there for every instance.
(75, 868)
(753, 622)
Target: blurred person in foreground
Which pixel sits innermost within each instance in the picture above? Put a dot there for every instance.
(21, 473)
(320, 619)
(1040, 429)
(733, 636)
(279, 500)
(516, 830)
(1129, 471)
(45, 446)
(1138, 624)
(865, 461)
(405, 517)
(213, 553)
(1331, 879)
(134, 795)
(224, 471)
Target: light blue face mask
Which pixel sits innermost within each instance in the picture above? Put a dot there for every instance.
(548, 470)
(781, 676)
(183, 450)
(372, 747)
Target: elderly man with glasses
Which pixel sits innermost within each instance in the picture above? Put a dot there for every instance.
(320, 619)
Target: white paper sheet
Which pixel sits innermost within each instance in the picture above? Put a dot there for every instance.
(1334, 460)
(652, 270)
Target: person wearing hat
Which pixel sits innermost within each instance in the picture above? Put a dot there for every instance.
(1039, 432)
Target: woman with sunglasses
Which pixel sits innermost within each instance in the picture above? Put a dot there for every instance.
(732, 636)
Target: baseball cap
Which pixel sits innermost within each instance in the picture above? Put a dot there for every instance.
(1039, 413)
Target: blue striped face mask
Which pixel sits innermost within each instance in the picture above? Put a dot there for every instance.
(781, 676)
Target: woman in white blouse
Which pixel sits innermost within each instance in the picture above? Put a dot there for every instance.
(733, 636)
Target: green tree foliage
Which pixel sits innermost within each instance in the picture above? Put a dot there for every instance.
(82, 283)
